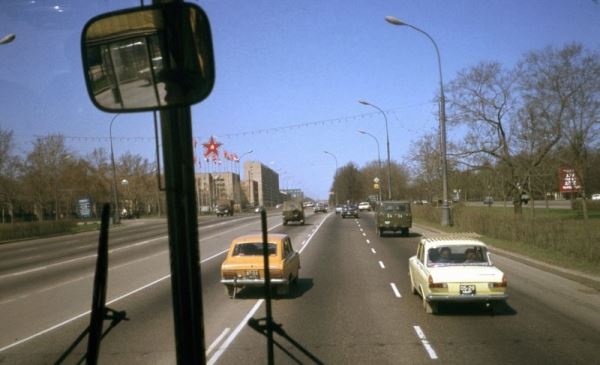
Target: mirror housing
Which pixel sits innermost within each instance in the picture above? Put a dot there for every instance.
(148, 58)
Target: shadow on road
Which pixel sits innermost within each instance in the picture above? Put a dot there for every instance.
(260, 326)
(296, 291)
(475, 309)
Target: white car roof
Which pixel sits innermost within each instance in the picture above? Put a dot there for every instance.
(452, 239)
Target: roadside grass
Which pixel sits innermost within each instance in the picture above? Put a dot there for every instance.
(554, 237)
(19, 231)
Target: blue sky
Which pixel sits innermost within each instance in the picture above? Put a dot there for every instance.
(282, 63)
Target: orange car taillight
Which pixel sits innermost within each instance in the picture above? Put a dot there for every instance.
(276, 274)
(433, 285)
(228, 274)
(502, 284)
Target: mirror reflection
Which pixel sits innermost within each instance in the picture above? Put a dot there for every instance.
(130, 66)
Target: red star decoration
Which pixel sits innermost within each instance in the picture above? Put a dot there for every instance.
(212, 147)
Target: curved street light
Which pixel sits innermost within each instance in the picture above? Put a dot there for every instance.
(8, 38)
(114, 173)
(387, 137)
(446, 219)
(334, 175)
(378, 154)
(242, 156)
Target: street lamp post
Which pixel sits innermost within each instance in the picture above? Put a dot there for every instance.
(114, 174)
(387, 137)
(240, 158)
(334, 175)
(378, 155)
(446, 218)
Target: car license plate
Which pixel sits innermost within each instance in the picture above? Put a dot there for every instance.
(467, 289)
(252, 274)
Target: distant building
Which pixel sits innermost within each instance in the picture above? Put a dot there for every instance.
(214, 186)
(249, 193)
(267, 182)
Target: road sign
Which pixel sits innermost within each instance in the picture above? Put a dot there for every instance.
(84, 207)
(376, 180)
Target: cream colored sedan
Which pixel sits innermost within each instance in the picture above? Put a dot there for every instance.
(455, 268)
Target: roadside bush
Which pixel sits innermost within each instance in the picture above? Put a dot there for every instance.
(17, 231)
(572, 237)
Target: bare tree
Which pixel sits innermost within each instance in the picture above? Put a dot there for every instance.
(515, 117)
(9, 165)
(426, 167)
(44, 174)
(581, 130)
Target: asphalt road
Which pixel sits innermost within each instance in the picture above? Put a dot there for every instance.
(352, 304)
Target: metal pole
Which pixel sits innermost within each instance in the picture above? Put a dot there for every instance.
(387, 137)
(267, 275)
(378, 156)
(182, 216)
(334, 175)
(114, 174)
(446, 217)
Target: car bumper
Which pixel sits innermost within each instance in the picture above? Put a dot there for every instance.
(466, 298)
(253, 282)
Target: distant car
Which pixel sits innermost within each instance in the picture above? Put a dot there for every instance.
(455, 268)
(338, 209)
(293, 211)
(595, 196)
(350, 210)
(488, 200)
(364, 206)
(224, 208)
(243, 266)
(257, 209)
(393, 215)
(320, 208)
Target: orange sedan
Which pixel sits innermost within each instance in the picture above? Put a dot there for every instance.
(244, 263)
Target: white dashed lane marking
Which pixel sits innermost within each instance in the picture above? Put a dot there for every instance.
(373, 250)
(396, 291)
(368, 242)
(381, 264)
(425, 343)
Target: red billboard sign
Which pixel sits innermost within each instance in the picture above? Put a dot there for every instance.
(568, 182)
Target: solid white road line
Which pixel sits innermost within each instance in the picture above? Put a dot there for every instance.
(107, 303)
(425, 343)
(381, 264)
(217, 340)
(396, 291)
(235, 332)
(257, 305)
(45, 267)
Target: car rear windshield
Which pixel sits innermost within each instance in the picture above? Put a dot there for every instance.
(400, 208)
(457, 255)
(253, 249)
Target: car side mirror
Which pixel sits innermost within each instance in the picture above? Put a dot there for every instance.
(149, 58)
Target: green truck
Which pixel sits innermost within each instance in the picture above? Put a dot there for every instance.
(394, 215)
(293, 211)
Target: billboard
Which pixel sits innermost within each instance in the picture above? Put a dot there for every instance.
(568, 182)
